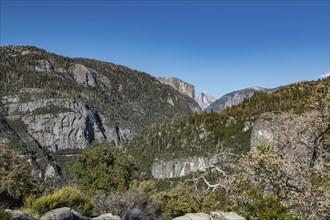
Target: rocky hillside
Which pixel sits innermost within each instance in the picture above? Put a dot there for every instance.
(234, 98)
(201, 141)
(51, 104)
(204, 100)
(180, 85)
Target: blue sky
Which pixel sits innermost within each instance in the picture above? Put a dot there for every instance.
(219, 46)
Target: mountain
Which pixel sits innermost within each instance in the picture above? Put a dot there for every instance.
(292, 116)
(180, 85)
(204, 99)
(236, 97)
(51, 105)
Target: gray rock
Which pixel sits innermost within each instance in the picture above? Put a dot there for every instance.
(83, 75)
(198, 216)
(290, 135)
(19, 215)
(231, 120)
(178, 84)
(107, 216)
(182, 218)
(225, 216)
(182, 167)
(204, 100)
(135, 214)
(64, 213)
(76, 126)
(193, 216)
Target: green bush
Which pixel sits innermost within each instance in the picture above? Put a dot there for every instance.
(185, 199)
(65, 197)
(105, 169)
(262, 207)
(16, 178)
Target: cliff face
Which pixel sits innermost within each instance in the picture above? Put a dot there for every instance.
(294, 136)
(183, 167)
(204, 100)
(51, 103)
(183, 87)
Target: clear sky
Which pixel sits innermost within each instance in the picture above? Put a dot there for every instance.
(219, 46)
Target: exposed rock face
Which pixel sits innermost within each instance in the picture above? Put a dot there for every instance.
(205, 99)
(18, 215)
(64, 213)
(213, 216)
(225, 216)
(183, 87)
(193, 216)
(83, 75)
(61, 124)
(234, 98)
(292, 136)
(182, 167)
(107, 216)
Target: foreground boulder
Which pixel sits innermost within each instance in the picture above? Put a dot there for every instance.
(18, 215)
(225, 216)
(213, 216)
(107, 216)
(135, 214)
(194, 216)
(64, 213)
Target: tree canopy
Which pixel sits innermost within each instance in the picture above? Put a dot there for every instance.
(105, 169)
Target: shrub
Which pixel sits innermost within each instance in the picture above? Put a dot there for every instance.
(65, 197)
(185, 199)
(140, 195)
(105, 169)
(16, 178)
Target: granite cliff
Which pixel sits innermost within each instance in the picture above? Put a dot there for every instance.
(204, 100)
(180, 85)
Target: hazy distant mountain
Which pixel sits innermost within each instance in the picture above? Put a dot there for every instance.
(236, 97)
(180, 85)
(204, 99)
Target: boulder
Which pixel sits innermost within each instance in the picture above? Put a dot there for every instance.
(64, 213)
(135, 214)
(182, 218)
(107, 216)
(198, 216)
(193, 216)
(19, 215)
(225, 216)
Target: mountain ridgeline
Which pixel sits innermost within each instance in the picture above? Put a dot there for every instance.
(51, 104)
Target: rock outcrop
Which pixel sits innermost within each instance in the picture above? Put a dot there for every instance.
(64, 213)
(204, 100)
(18, 215)
(180, 85)
(213, 216)
(61, 124)
(182, 167)
(234, 98)
(293, 136)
